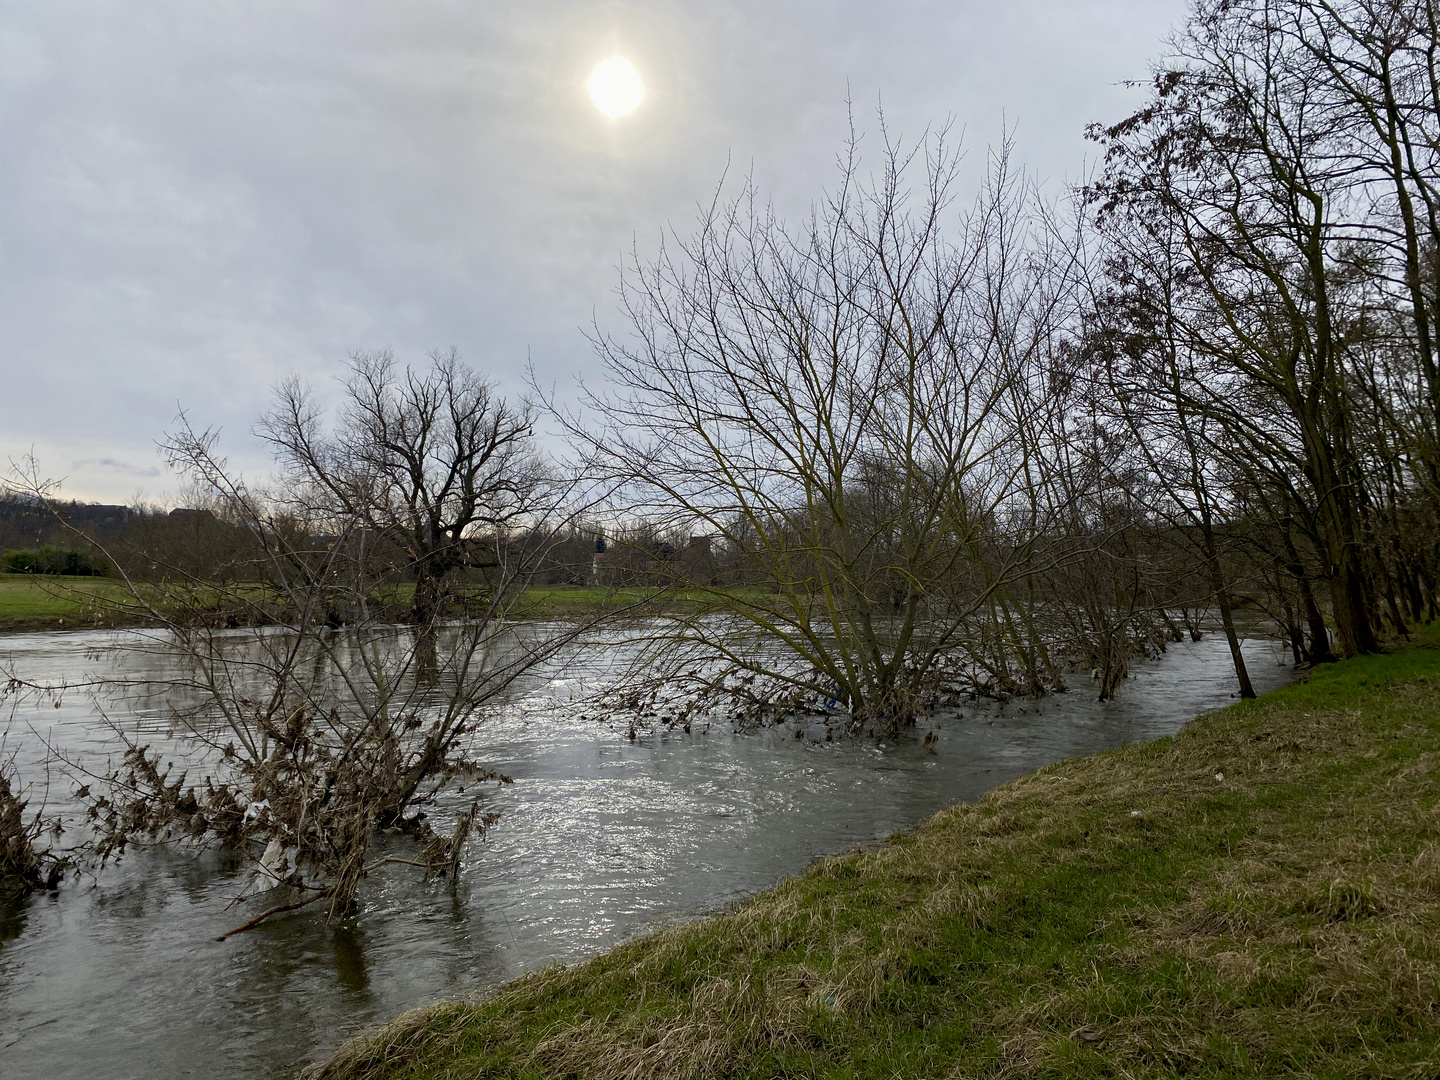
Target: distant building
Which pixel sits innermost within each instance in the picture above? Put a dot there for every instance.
(185, 513)
(597, 563)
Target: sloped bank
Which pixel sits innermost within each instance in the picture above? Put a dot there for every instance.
(1259, 895)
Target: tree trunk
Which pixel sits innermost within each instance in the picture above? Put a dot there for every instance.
(425, 605)
(1350, 606)
(1227, 615)
(1319, 649)
(1294, 634)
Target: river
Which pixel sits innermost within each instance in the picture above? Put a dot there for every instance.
(118, 975)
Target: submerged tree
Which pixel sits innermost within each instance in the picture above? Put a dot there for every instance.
(332, 681)
(21, 863)
(27, 861)
(847, 410)
(432, 460)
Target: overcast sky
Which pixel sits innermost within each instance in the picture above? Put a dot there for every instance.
(200, 196)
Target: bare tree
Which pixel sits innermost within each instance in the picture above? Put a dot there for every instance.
(314, 697)
(1227, 215)
(845, 407)
(423, 458)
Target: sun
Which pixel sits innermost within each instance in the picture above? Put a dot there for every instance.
(615, 86)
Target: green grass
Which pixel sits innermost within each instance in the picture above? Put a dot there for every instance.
(1130, 914)
(42, 602)
(56, 602)
(561, 601)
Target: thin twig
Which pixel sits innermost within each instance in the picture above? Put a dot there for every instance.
(258, 919)
(386, 860)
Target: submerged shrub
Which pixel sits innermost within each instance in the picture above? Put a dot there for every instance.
(20, 863)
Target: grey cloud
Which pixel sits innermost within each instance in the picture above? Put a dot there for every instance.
(198, 199)
(110, 465)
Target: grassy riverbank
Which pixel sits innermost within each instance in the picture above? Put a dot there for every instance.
(55, 602)
(1259, 895)
(59, 602)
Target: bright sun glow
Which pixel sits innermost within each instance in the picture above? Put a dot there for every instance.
(615, 86)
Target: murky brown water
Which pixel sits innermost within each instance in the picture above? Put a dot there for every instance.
(601, 839)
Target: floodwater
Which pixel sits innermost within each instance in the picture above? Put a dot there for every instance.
(601, 839)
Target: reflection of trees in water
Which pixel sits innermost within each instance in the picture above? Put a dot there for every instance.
(14, 911)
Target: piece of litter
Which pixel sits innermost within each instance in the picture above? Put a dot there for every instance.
(1220, 776)
(1134, 813)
